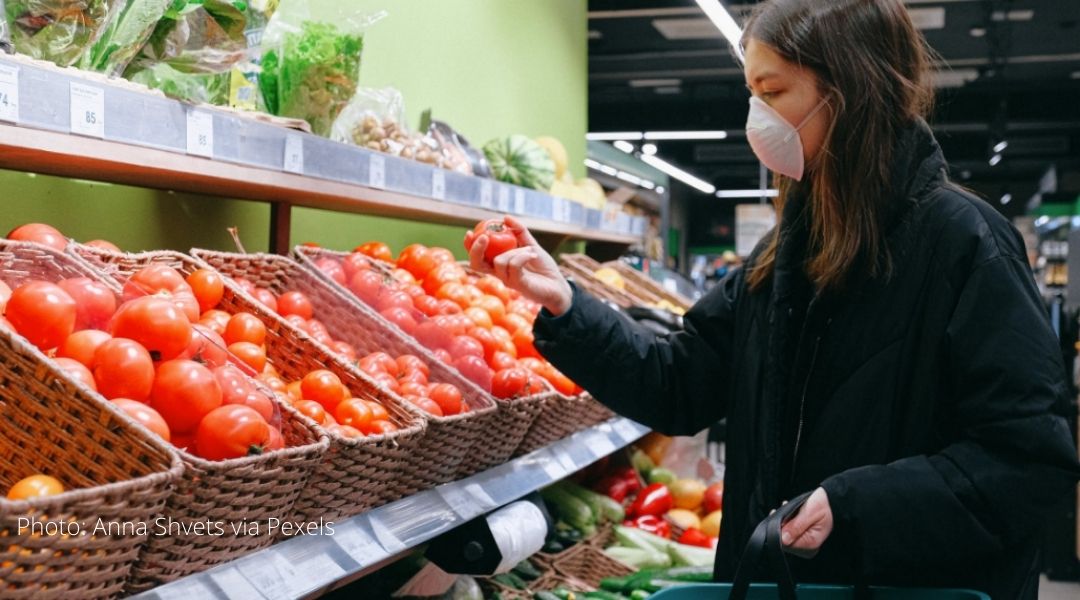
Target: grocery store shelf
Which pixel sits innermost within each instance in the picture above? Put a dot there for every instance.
(150, 141)
(308, 566)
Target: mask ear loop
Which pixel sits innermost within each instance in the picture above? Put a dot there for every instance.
(824, 102)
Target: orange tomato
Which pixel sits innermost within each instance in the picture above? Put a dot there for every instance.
(208, 287)
(35, 486)
(480, 317)
(354, 412)
(524, 342)
(245, 327)
(249, 354)
(312, 410)
(376, 250)
(493, 306)
(323, 387)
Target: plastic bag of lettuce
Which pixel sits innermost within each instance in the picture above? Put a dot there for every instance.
(124, 37)
(59, 31)
(310, 69)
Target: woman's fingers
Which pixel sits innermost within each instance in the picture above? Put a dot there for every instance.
(524, 236)
(476, 255)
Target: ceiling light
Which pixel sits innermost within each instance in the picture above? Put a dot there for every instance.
(645, 183)
(725, 23)
(698, 184)
(994, 160)
(595, 35)
(607, 170)
(953, 78)
(686, 135)
(1074, 75)
(660, 189)
(609, 136)
(747, 193)
(645, 83)
(1013, 15)
(1001, 146)
(625, 146)
(977, 32)
(928, 18)
(1007, 198)
(628, 177)
(649, 149)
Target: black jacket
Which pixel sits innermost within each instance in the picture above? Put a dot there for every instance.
(928, 405)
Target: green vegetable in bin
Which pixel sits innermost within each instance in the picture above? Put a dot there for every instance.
(642, 462)
(662, 475)
(570, 508)
(545, 596)
(602, 595)
(639, 595)
(602, 507)
(510, 580)
(526, 571)
(58, 31)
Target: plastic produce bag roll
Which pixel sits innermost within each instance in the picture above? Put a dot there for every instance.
(58, 31)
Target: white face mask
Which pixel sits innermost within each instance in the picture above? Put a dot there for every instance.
(775, 142)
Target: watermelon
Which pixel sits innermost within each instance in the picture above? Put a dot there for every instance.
(521, 161)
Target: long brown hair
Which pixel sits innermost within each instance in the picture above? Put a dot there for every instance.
(874, 67)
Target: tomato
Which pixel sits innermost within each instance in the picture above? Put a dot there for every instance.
(494, 307)
(452, 325)
(537, 366)
(402, 317)
(376, 250)
(474, 295)
(454, 292)
(382, 427)
(464, 345)
(443, 356)
(475, 370)
(332, 268)
(312, 410)
(413, 377)
(154, 322)
(82, 345)
(562, 384)
(479, 317)
(432, 335)
(323, 387)
(412, 388)
(387, 382)
(42, 312)
(184, 441)
(524, 343)
(311, 245)
(353, 412)
(232, 432)
(366, 285)
(413, 291)
(448, 397)
(208, 287)
(449, 307)
(206, 347)
(345, 350)
(46, 235)
(410, 362)
(514, 383)
(145, 416)
(216, 320)
(449, 272)
(248, 354)
(402, 277)
(345, 431)
(378, 411)
(500, 238)
(489, 284)
(165, 281)
(94, 302)
(5, 295)
(295, 303)
(315, 327)
(390, 298)
(382, 362)
(245, 285)
(260, 402)
(123, 369)
(514, 322)
(293, 390)
(35, 486)
(266, 298)
(270, 380)
(274, 441)
(77, 371)
(245, 327)
(103, 245)
(425, 404)
(487, 340)
(184, 392)
(355, 263)
(501, 360)
(416, 259)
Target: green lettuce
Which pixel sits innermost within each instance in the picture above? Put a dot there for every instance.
(59, 31)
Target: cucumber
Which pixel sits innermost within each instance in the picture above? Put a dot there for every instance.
(702, 574)
(510, 580)
(655, 585)
(638, 558)
(526, 571)
(603, 595)
(691, 556)
(545, 596)
(569, 507)
(639, 595)
(603, 508)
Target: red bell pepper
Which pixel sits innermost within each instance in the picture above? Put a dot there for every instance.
(630, 476)
(695, 537)
(654, 500)
(613, 487)
(652, 524)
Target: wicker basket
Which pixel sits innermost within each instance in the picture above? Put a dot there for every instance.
(506, 428)
(590, 565)
(556, 580)
(645, 287)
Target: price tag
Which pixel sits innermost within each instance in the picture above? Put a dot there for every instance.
(519, 202)
(386, 538)
(600, 444)
(557, 209)
(294, 154)
(9, 93)
(626, 430)
(487, 193)
(183, 589)
(438, 184)
(377, 171)
(267, 576)
(504, 199)
(200, 133)
(233, 584)
(360, 546)
(87, 110)
(565, 460)
(318, 566)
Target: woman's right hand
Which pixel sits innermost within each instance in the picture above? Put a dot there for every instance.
(529, 269)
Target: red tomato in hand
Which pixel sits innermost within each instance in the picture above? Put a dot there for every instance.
(295, 303)
(42, 312)
(500, 238)
(94, 302)
(123, 369)
(184, 392)
(77, 371)
(82, 345)
(154, 322)
(46, 235)
(208, 287)
(231, 431)
(145, 416)
(165, 281)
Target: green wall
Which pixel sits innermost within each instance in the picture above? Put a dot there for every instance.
(487, 67)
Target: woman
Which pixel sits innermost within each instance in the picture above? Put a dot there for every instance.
(885, 346)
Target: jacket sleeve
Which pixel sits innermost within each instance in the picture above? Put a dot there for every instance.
(1010, 461)
(675, 384)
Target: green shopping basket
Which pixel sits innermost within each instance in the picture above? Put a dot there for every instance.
(766, 539)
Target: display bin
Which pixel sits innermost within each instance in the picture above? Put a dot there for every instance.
(646, 287)
(507, 427)
(554, 581)
(351, 475)
(588, 564)
(763, 591)
(116, 472)
(582, 269)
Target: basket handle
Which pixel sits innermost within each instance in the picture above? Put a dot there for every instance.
(766, 536)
